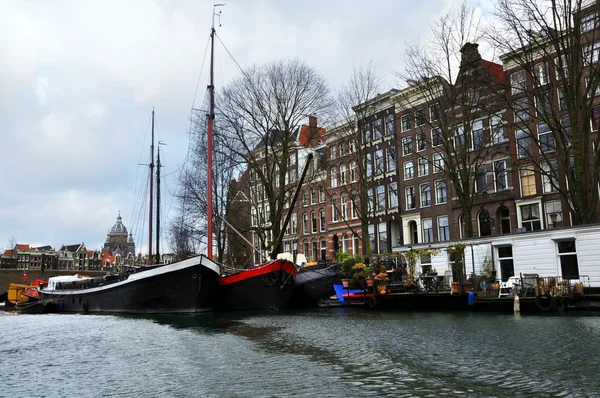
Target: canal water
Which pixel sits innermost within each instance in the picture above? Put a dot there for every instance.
(316, 353)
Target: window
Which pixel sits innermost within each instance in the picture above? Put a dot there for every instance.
(354, 207)
(334, 210)
(343, 174)
(254, 220)
(393, 195)
(333, 152)
(543, 103)
(592, 91)
(441, 194)
(305, 224)
(334, 181)
(409, 171)
(562, 105)
(549, 176)
(485, 224)
(353, 171)
(425, 195)
(527, 181)
(294, 223)
(540, 72)
(410, 197)
(314, 222)
(419, 117)
(500, 175)
(322, 220)
(478, 137)
(382, 229)
(344, 207)
(591, 52)
(377, 129)
(425, 261)
(367, 133)
(443, 230)
(380, 204)
(351, 146)
(438, 162)
(314, 250)
(345, 243)
(436, 136)
(323, 250)
(434, 112)
(517, 82)
(355, 243)
(505, 258)
(459, 139)
(379, 162)
(567, 252)
(553, 209)
(474, 97)
(524, 143)
(313, 196)
(389, 124)
(407, 146)
(372, 238)
(421, 142)
(322, 195)
(589, 22)
(561, 67)
(342, 148)
(370, 204)
(405, 122)
(595, 118)
(546, 138)
(481, 178)
(427, 230)
(391, 159)
(423, 167)
(369, 164)
(530, 217)
(304, 198)
(521, 110)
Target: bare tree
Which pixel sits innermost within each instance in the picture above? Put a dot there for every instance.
(261, 112)
(352, 107)
(181, 238)
(552, 48)
(451, 91)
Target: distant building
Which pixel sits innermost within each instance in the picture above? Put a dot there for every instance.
(118, 241)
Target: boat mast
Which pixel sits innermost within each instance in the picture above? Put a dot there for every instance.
(158, 204)
(151, 193)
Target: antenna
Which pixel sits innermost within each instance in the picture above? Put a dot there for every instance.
(217, 14)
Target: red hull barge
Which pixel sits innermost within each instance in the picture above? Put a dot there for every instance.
(266, 287)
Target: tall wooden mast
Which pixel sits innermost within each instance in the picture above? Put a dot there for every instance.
(151, 192)
(158, 203)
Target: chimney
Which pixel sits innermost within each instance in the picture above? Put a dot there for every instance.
(312, 121)
(470, 54)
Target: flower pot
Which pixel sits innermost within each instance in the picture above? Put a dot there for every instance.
(381, 288)
(494, 287)
(455, 287)
(346, 283)
(369, 281)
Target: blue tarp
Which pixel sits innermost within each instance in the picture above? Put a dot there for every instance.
(340, 291)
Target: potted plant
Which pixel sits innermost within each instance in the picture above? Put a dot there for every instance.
(359, 272)
(456, 255)
(346, 262)
(381, 280)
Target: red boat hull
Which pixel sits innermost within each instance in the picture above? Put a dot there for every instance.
(268, 286)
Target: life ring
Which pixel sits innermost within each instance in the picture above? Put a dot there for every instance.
(194, 276)
(544, 302)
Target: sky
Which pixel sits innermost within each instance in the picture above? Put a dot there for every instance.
(79, 80)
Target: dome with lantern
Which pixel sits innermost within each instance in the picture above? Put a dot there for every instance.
(118, 240)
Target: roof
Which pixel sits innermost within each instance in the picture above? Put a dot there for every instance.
(107, 256)
(495, 69)
(47, 247)
(306, 138)
(23, 246)
(8, 252)
(70, 248)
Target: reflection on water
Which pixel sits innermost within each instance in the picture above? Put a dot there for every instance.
(337, 352)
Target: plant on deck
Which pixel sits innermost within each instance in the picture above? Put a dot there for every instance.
(411, 258)
(346, 262)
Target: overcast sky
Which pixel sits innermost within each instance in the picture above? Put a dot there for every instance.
(78, 80)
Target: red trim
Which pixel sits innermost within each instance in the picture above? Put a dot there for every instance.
(276, 265)
(357, 295)
(33, 293)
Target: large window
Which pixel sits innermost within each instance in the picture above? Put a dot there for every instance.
(334, 178)
(524, 143)
(505, 258)
(389, 124)
(438, 162)
(322, 220)
(421, 142)
(314, 222)
(497, 129)
(420, 117)
(459, 139)
(427, 230)
(441, 194)
(425, 195)
(409, 170)
(423, 167)
(481, 178)
(382, 230)
(372, 238)
(443, 230)
(369, 164)
(377, 129)
(553, 214)
(334, 210)
(436, 136)
(370, 202)
(546, 138)
(353, 171)
(589, 22)
(527, 181)
(379, 162)
(407, 146)
(530, 217)
(518, 82)
(367, 133)
(344, 208)
(595, 118)
(567, 252)
(540, 71)
(343, 174)
(391, 159)
(410, 197)
(478, 136)
(592, 52)
(380, 204)
(323, 250)
(405, 122)
(543, 103)
(393, 195)
(549, 176)
(521, 109)
(500, 175)
(305, 224)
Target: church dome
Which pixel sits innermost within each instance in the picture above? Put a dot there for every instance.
(118, 228)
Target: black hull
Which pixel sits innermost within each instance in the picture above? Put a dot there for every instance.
(268, 289)
(185, 287)
(314, 285)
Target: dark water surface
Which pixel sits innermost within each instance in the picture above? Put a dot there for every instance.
(319, 353)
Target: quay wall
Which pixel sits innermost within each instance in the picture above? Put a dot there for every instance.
(8, 276)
